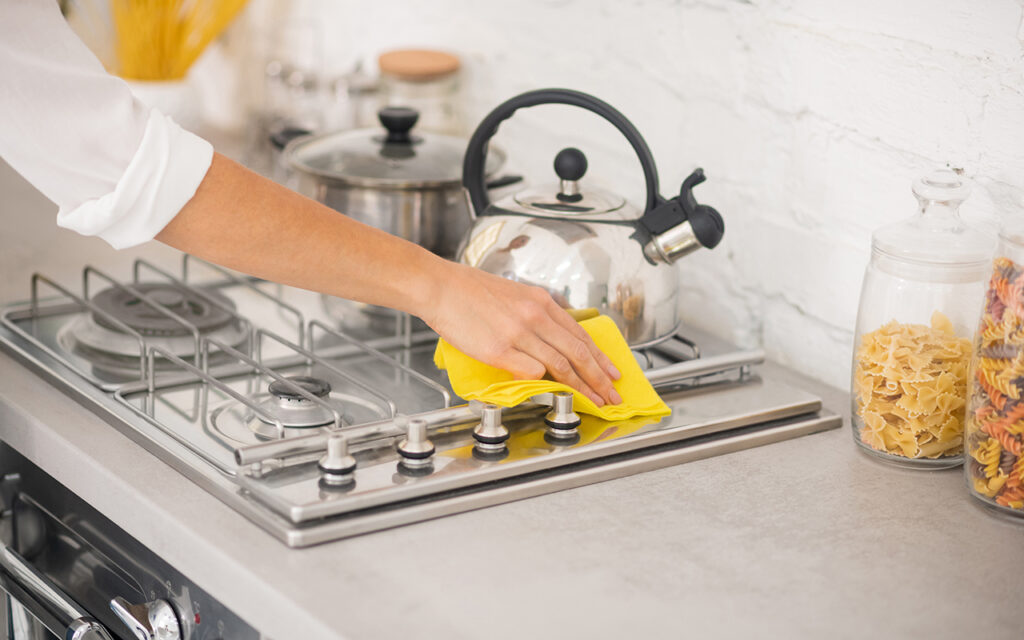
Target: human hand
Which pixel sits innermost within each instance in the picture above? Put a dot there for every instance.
(520, 329)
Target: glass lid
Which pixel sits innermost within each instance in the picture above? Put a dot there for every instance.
(396, 156)
(937, 234)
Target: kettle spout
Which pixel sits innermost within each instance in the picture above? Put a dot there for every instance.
(680, 226)
(673, 244)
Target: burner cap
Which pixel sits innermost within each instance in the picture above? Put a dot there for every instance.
(315, 386)
(141, 317)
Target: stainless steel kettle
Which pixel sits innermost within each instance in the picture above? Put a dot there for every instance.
(588, 247)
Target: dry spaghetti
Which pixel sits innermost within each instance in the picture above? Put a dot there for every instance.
(160, 39)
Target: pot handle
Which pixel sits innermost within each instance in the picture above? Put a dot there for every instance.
(476, 151)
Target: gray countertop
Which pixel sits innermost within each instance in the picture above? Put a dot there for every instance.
(805, 538)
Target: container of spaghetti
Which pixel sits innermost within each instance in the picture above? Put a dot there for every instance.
(994, 430)
(918, 312)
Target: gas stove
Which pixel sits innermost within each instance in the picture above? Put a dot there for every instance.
(319, 419)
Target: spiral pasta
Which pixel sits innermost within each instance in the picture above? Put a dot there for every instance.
(994, 429)
(910, 382)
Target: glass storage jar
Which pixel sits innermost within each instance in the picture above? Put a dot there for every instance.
(994, 433)
(427, 81)
(918, 311)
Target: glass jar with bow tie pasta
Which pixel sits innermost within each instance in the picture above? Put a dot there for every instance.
(918, 312)
(994, 430)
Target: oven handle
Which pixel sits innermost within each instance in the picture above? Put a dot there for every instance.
(45, 600)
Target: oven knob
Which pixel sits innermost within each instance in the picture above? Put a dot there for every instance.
(490, 434)
(562, 421)
(338, 467)
(416, 449)
(154, 620)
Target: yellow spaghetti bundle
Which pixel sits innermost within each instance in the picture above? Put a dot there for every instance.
(160, 39)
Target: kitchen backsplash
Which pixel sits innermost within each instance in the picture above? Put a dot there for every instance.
(810, 117)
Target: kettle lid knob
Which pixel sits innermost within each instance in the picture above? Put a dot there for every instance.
(570, 165)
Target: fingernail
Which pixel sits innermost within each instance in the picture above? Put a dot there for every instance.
(616, 398)
(613, 372)
(596, 399)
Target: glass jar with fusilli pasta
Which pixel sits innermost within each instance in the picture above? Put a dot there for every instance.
(994, 432)
(918, 311)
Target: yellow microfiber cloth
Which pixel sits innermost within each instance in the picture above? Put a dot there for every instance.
(474, 380)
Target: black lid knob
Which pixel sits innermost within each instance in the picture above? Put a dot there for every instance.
(398, 121)
(570, 164)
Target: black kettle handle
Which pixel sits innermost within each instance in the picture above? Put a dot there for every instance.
(476, 151)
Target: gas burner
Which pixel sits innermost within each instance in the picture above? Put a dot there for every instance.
(293, 409)
(194, 308)
(109, 348)
(299, 416)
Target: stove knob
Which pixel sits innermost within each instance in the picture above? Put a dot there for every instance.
(154, 620)
(416, 449)
(562, 421)
(490, 434)
(337, 468)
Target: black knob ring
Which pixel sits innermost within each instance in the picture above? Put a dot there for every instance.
(476, 150)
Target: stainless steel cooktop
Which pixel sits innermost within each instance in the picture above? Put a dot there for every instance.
(319, 419)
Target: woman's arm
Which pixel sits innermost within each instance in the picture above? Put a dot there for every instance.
(248, 223)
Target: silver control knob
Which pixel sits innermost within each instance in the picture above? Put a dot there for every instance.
(490, 434)
(338, 467)
(562, 421)
(154, 620)
(416, 449)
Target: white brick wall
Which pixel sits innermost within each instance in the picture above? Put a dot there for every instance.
(811, 117)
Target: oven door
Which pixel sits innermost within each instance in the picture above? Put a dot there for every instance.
(35, 608)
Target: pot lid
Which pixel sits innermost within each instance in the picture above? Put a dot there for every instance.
(396, 156)
(569, 198)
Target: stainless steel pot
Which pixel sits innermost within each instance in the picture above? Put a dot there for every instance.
(589, 247)
(396, 179)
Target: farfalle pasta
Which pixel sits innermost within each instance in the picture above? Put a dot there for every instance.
(910, 385)
(995, 422)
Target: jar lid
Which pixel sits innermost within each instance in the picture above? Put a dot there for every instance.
(396, 156)
(937, 235)
(418, 65)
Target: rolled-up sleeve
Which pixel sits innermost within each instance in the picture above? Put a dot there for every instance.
(116, 168)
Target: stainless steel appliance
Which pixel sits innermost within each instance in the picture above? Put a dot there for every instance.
(68, 572)
(250, 389)
(589, 247)
(394, 178)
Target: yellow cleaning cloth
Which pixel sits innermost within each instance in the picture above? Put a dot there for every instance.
(474, 380)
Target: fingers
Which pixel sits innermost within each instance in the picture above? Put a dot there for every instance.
(566, 321)
(581, 359)
(560, 367)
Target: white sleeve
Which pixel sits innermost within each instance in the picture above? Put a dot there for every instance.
(116, 168)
